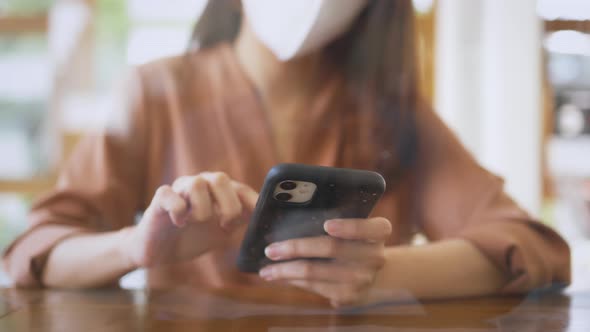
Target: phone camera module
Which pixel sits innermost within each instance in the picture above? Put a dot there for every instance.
(288, 185)
(283, 197)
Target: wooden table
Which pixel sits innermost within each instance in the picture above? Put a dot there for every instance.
(193, 310)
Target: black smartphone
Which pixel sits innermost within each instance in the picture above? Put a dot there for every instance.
(297, 199)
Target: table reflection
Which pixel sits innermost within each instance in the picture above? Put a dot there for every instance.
(196, 310)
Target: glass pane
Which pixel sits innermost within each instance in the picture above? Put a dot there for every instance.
(191, 180)
(24, 104)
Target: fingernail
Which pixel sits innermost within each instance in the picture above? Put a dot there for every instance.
(266, 274)
(331, 226)
(275, 251)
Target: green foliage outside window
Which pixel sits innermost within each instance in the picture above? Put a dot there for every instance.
(24, 7)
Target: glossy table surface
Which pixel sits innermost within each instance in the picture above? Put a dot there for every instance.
(194, 310)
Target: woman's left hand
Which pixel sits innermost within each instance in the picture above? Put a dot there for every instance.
(355, 252)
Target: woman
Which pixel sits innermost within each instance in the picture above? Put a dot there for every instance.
(288, 84)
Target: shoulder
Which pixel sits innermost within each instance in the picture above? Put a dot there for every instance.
(164, 89)
(191, 73)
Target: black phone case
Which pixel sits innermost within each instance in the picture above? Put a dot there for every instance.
(340, 193)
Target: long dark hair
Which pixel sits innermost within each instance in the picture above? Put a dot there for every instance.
(378, 59)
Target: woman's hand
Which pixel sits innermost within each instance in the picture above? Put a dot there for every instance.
(355, 249)
(189, 218)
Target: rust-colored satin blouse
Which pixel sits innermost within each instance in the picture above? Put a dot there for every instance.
(200, 112)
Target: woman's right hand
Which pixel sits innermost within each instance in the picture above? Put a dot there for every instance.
(189, 218)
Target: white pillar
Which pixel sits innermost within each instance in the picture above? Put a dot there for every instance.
(511, 96)
(458, 67)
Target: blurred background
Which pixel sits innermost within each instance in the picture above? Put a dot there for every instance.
(511, 78)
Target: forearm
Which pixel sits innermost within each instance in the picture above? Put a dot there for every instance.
(446, 269)
(87, 261)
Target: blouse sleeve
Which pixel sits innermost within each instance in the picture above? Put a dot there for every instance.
(99, 189)
(457, 198)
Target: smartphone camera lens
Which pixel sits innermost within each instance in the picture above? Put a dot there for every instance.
(288, 185)
(283, 197)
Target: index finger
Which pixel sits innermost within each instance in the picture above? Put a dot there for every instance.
(322, 247)
(373, 229)
(247, 195)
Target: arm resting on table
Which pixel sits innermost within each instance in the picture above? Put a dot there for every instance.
(445, 269)
(87, 260)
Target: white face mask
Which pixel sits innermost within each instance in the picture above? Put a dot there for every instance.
(292, 28)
